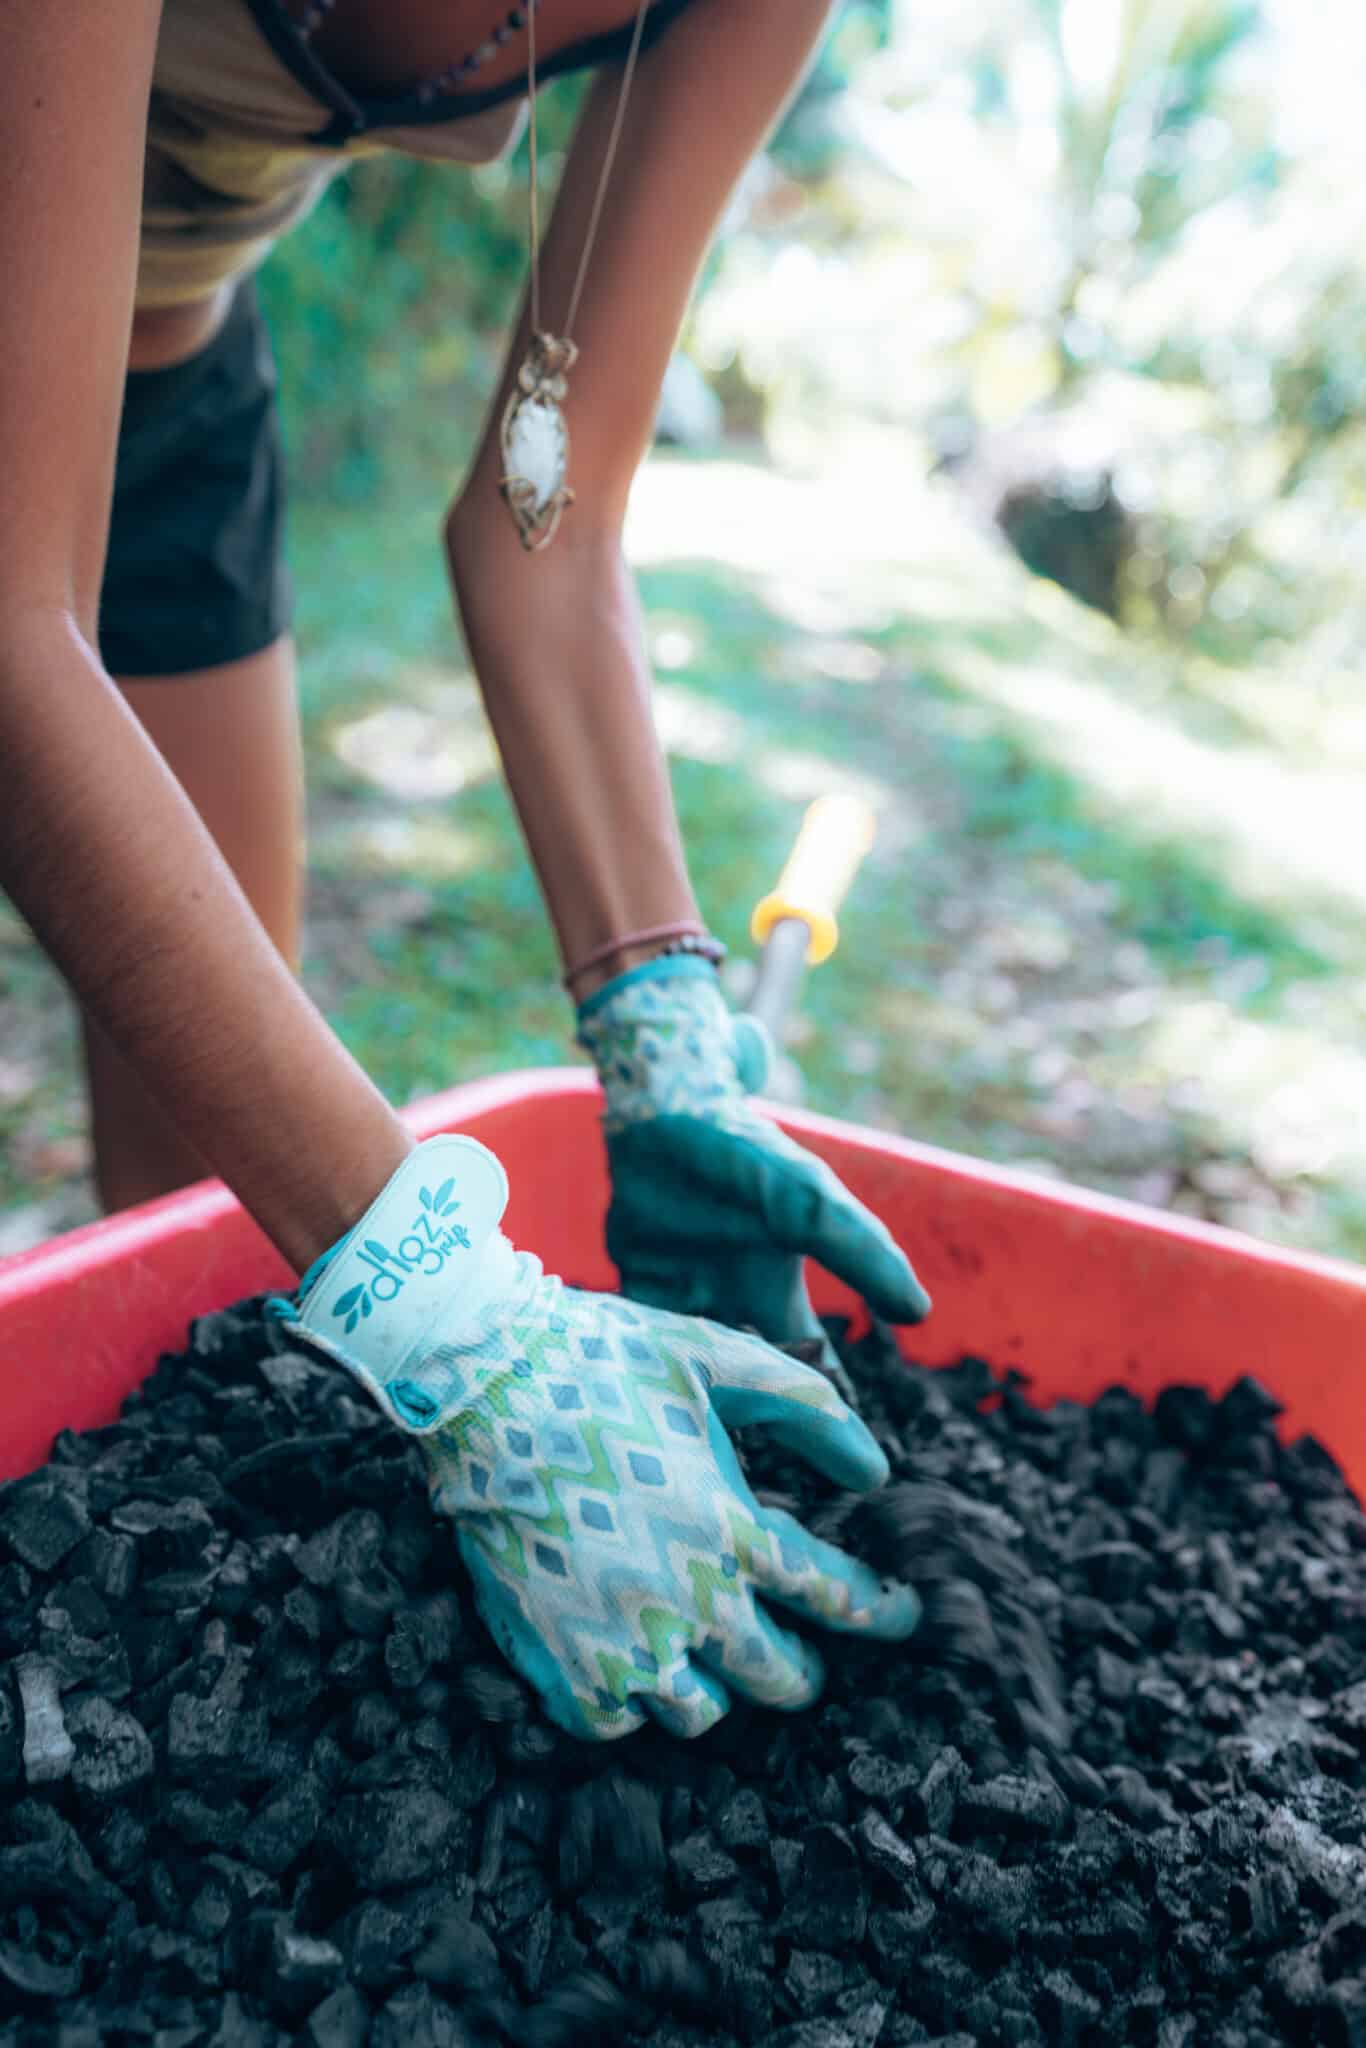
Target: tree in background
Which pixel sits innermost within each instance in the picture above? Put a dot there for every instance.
(1082, 249)
(1070, 246)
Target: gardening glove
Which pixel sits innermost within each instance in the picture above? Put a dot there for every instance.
(578, 1443)
(713, 1209)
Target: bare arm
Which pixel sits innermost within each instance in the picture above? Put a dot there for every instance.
(98, 847)
(555, 638)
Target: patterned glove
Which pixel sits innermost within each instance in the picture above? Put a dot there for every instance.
(579, 1443)
(713, 1208)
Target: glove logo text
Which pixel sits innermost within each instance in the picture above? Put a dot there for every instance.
(425, 1248)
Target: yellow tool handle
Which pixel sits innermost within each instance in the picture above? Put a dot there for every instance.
(836, 833)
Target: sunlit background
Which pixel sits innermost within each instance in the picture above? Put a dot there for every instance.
(1011, 474)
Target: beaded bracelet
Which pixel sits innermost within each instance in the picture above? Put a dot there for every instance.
(684, 937)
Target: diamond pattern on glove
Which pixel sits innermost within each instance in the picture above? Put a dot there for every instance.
(578, 1441)
(595, 1509)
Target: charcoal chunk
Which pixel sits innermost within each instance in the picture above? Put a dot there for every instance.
(341, 2020)
(828, 1909)
(701, 1867)
(1025, 1808)
(934, 1803)
(48, 1749)
(391, 1839)
(995, 1898)
(896, 1938)
(33, 1977)
(884, 1848)
(377, 1940)
(203, 1730)
(742, 1823)
(878, 1778)
(113, 1751)
(283, 1827)
(458, 1953)
(1068, 2012)
(416, 2017)
(44, 1517)
(295, 1970)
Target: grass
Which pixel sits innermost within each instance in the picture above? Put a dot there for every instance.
(1090, 939)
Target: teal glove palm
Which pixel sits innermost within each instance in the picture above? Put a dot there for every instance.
(713, 1208)
(616, 1551)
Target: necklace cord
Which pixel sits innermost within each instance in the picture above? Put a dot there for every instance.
(535, 210)
(601, 194)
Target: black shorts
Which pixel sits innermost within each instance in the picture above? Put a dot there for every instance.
(195, 575)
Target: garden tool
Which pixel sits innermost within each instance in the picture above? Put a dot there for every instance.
(796, 925)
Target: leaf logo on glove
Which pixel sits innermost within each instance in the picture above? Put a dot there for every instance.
(424, 1248)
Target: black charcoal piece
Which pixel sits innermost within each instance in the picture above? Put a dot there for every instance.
(1020, 1807)
(203, 1728)
(473, 1773)
(416, 2017)
(1069, 2013)
(210, 1913)
(884, 1849)
(235, 2027)
(170, 1536)
(366, 1600)
(931, 1807)
(112, 1562)
(492, 1694)
(11, 1738)
(113, 1751)
(813, 1981)
(406, 1655)
(377, 1939)
(742, 1823)
(996, 1899)
(1185, 1416)
(283, 1827)
(701, 1866)
(295, 1970)
(786, 1855)
(896, 1937)
(342, 2020)
(32, 1977)
(830, 1905)
(100, 1662)
(121, 1843)
(459, 1953)
(585, 2007)
(879, 1778)
(390, 1839)
(50, 1862)
(44, 1516)
(48, 1749)
(304, 1612)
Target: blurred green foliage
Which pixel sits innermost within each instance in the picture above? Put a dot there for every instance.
(390, 306)
(1088, 216)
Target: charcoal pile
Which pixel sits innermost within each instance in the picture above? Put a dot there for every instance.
(263, 1778)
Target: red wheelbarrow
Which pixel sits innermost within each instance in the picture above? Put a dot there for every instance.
(1073, 1289)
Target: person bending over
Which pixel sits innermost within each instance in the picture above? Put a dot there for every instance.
(149, 830)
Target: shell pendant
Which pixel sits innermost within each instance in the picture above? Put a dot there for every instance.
(535, 442)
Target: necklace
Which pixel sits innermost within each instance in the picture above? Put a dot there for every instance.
(535, 437)
(455, 74)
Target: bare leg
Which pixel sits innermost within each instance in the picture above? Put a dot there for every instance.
(231, 737)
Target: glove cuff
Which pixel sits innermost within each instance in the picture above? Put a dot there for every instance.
(661, 1038)
(413, 1279)
(667, 967)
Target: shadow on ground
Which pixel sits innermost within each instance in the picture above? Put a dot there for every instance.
(1097, 936)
